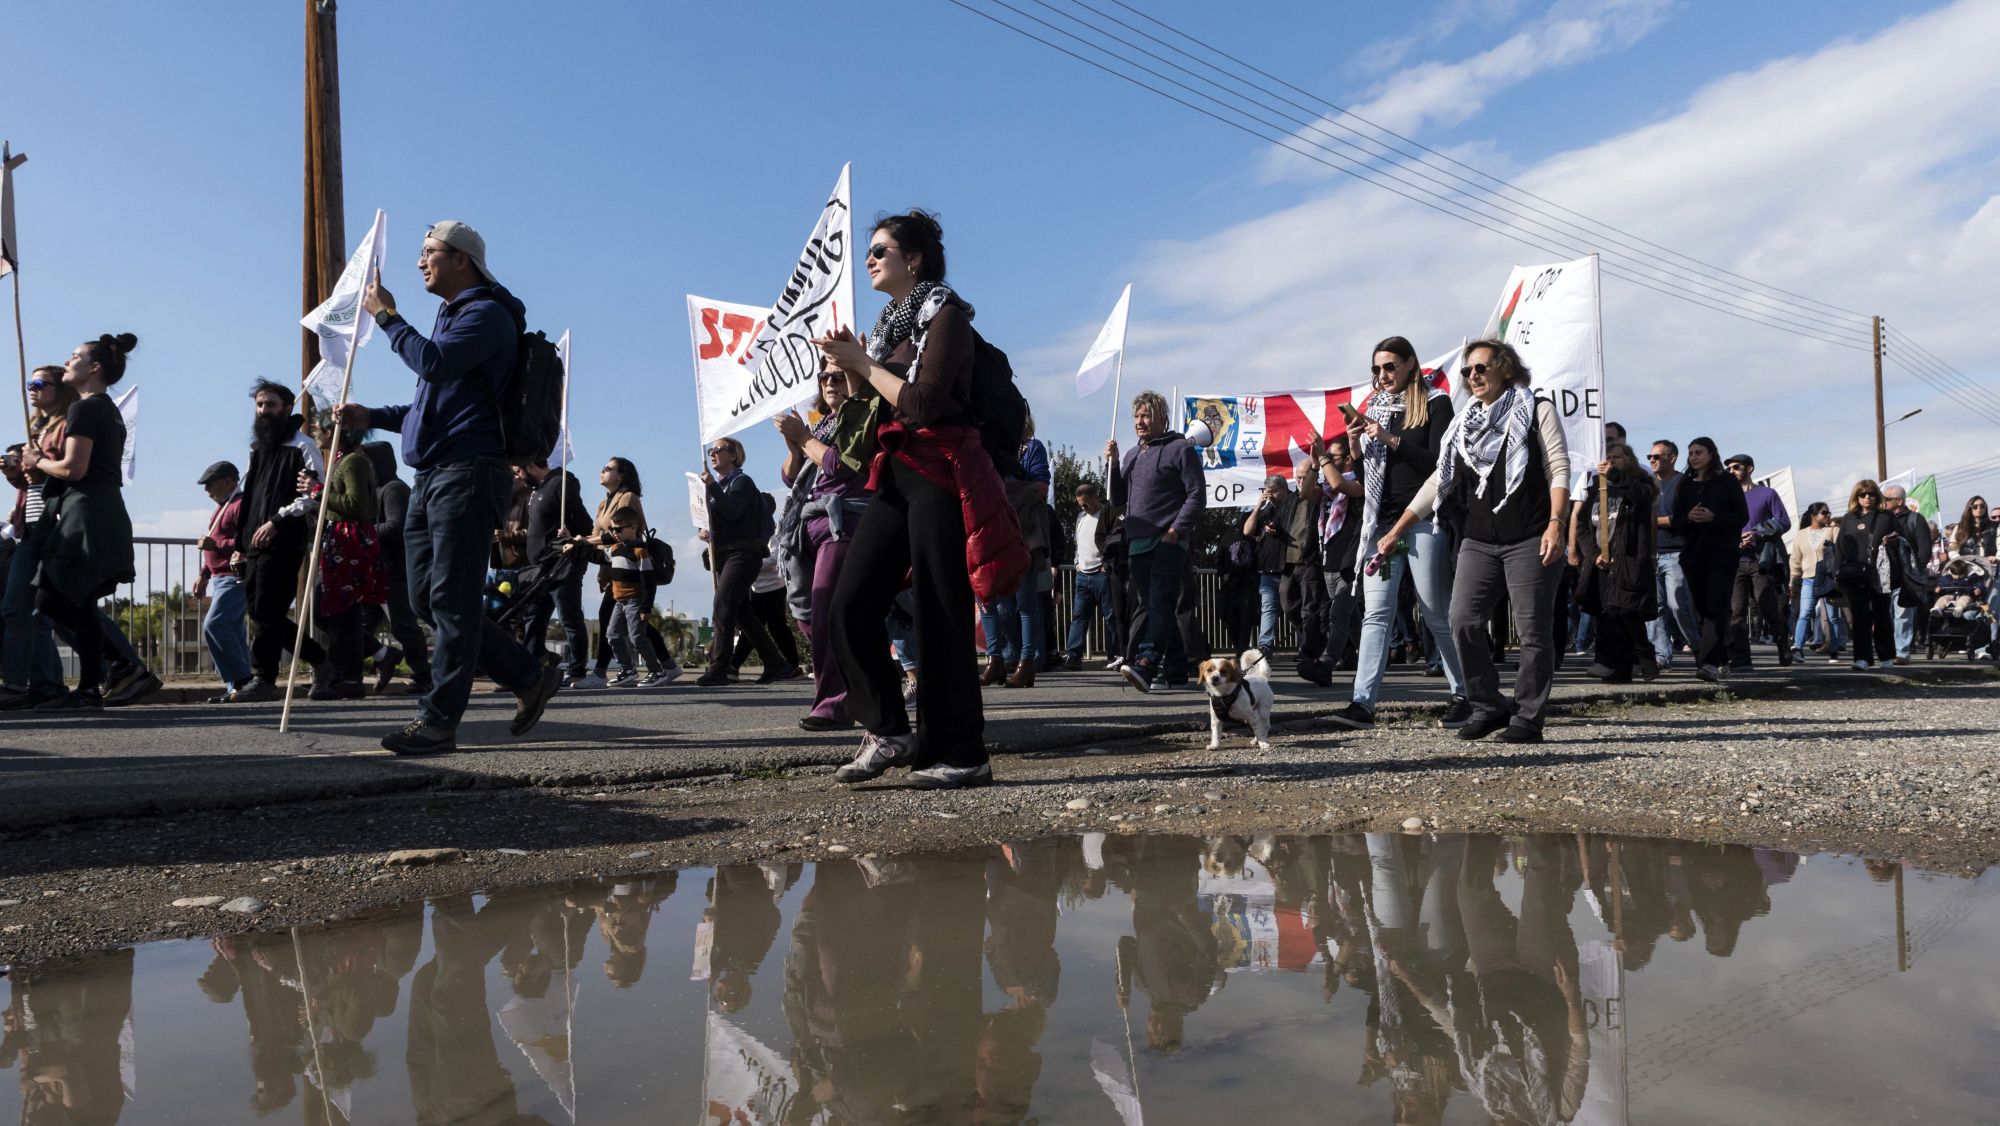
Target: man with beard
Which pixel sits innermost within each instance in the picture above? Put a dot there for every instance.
(275, 543)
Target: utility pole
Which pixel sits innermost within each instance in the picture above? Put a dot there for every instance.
(325, 241)
(1881, 427)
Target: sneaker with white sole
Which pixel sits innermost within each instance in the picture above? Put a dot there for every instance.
(1355, 717)
(878, 754)
(1862, 666)
(660, 679)
(672, 673)
(942, 777)
(1114, 664)
(589, 680)
(628, 679)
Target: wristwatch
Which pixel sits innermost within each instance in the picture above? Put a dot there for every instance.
(383, 318)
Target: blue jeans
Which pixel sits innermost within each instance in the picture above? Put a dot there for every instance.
(454, 510)
(1810, 596)
(1014, 627)
(1906, 627)
(1092, 596)
(222, 626)
(1268, 609)
(1429, 563)
(1156, 582)
(1674, 599)
(29, 648)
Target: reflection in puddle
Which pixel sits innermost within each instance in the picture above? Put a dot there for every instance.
(1371, 978)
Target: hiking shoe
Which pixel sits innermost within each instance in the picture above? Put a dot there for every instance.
(589, 680)
(1457, 712)
(1138, 674)
(136, 687)
(878, 754)
(75, 700)
(258, 691)
(548, 681)
(385, 668)
(627, 679)
(942, 777)
(420, 738)
(1481, 728)
(1516, 733)
(1354, 716)
(823, 723)
(660, 679)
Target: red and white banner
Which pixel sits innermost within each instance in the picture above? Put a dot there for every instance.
(722, 332)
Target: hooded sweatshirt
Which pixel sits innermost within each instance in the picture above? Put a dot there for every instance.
(461, 371)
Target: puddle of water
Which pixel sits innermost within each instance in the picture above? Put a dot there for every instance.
(1370, 978)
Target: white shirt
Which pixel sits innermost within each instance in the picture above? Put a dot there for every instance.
(1089, 560)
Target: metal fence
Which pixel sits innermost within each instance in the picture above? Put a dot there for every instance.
(1208, 612)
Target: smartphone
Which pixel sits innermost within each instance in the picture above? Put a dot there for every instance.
(1352, 416)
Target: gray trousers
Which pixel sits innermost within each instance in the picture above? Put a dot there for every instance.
(1488, 572)
(628, 632)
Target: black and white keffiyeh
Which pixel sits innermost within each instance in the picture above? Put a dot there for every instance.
(907, 319)
(1478, 436)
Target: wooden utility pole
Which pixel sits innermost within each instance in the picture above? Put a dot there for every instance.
(1881, 427)
(325, 244)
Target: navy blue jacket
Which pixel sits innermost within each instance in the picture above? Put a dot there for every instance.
(461, 371)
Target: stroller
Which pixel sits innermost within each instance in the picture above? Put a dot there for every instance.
(550, 570)
(1961, 616)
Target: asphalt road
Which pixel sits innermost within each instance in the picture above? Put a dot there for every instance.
(164, 758)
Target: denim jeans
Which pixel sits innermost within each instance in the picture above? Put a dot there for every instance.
(1429, 564)
(30, 649)
(1340, 595)
(567, 601)
(1810, 597)
(1092, 596)
(1269, 607)
(454, 510)
(222, 626)
(1156, 583)
(1906, 627)
(1674, 599)
(628, 634)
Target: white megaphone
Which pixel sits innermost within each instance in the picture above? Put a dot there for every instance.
(1198, 433)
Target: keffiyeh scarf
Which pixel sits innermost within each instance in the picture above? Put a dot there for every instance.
(1478, 437)
(906, 320)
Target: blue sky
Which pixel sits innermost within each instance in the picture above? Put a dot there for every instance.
(617, 157)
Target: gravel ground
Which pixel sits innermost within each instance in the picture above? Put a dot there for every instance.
(1869, 765)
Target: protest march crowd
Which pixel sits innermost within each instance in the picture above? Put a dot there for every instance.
(916, 518)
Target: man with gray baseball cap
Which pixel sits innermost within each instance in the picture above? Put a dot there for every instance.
(452, 440)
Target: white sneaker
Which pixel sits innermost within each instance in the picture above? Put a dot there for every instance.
(942, 777)
(672, 673)
(1862, 666)
(588, 680)
(1114, 664)
(878, 754)
(626, 679)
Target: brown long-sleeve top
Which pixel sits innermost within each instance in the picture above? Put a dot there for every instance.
(943, 385)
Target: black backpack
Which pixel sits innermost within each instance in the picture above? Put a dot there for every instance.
(998, 408)
(662, 557)
(531, 403)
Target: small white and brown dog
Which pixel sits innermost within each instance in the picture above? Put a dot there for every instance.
(1239, 689)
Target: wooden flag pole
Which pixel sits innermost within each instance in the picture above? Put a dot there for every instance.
(319, 536)
(21, 351)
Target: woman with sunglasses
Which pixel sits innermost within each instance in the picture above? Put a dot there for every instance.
(1401, 429)
(824, 468)
(1812, 573)
(1870, 571)
(1976, 533)
(940, 515)
(1709, 516)
(1503, 483)
(85, 534)
(28, 662)
(739, 532)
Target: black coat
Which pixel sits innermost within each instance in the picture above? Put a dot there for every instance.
(271, 483)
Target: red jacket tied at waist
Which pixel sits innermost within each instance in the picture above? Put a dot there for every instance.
(951, 458)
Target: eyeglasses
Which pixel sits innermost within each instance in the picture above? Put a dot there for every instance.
(1471, 370)
(39, 385)
(1378, 369)
(1656, 457)
(882, 250)
(832, 376)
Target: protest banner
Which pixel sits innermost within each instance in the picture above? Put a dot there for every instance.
(698, 502)
(744, 1082)
(1261, 434)
(339, 321)
(817, 298)
(722, 333)
(1550, 314)
(1601, 988)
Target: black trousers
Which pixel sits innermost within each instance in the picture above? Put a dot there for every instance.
(403, 625)
(770, 609)
(912, 527)
(1239, 610)
(344, 645)
(1711, 583)
(1303, 596)
(734, 574)
(1763, 592)
(1622, 641)
(270, 582)
(1872, 613)
(88, 640)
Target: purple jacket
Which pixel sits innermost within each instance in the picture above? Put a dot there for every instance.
(1768, 523)
(1160, 486)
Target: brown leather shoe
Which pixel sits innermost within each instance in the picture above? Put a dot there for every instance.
(996, 672)
(1024, 676)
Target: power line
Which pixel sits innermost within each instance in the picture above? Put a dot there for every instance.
(1922, 357)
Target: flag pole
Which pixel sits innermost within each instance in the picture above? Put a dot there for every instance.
(562, 450)
(10, 160)
(319, 533)
(21, 352)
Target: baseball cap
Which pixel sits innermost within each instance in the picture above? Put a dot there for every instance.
(218, 471)
(461, 236)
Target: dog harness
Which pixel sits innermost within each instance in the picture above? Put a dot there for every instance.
(1221, 705)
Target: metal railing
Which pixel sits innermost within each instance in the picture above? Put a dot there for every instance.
(1208, 612)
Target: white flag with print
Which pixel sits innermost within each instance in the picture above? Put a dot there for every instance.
(563, 453)
(1107, 351)
(1550, 315)
(128, 406)
(818, 297)
(339, 321)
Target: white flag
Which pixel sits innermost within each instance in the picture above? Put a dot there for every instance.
(1550, 315)
(818, 297)
(698, 502)
(1107, 352)
(722, 333)
(563, 453)
(1115, 1079)
(128, 406)
(339, 320)
(10, 249)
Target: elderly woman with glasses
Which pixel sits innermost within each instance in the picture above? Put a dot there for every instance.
(1869, 569)
(739, 536)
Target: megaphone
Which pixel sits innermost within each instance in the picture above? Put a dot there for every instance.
(1198, 432)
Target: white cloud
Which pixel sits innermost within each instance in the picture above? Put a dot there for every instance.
(182, 523)
(1569, 32)
(1860, 174)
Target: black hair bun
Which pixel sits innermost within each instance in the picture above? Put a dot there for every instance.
(122, 343)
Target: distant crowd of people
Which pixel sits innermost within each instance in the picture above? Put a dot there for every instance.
(911, 526)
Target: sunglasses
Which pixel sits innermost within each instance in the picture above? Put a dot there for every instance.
(1378, 369)
(1471, 370)
(39, 384)
(1655, 457)
(882, 250)
(832, 376)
